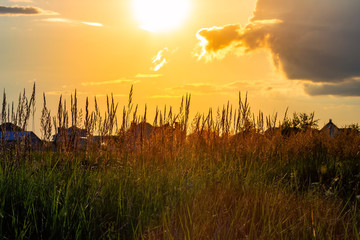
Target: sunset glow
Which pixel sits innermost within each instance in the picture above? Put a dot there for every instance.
(179, 119)
(160, 15)
(167, 48)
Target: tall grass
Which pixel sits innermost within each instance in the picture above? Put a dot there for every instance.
(221, 175)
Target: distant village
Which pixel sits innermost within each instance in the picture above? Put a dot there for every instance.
(77, 137)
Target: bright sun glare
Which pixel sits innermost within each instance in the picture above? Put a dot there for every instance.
(160, 15)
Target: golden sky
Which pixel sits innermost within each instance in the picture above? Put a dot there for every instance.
(297, 54)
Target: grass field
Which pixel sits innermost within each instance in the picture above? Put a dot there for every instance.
(217, 176)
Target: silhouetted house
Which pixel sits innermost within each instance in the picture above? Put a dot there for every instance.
(331, 129)
(70, 138)
(10, 133)
(144, 133)
(140, 130)
(145, 130)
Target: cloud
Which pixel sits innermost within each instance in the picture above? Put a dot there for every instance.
(309, 40)
(217, 42)
(264, 88)
(62, 20)
(196, 88)
(142, 75)
(24, 1)
(94, 24)
(348, 88)
(165, 96)
(65, 92)
(160, 59)
(71, 21)
(117, 81)
(199, 88)
(23, 10)
(206, 88)
(121, 80)
(114, 95)
(68, 93)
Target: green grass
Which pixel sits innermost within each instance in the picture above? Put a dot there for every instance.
(195, 195)
(225, 180)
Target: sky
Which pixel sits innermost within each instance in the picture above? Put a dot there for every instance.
(301, 54)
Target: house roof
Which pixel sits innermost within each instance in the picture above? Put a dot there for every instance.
(13, 132)
(139, 128)
(70, 132)
(11, 136)
(330, 128)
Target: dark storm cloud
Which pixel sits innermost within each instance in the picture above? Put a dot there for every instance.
(348, 88)
(19, 10)
(312, 40)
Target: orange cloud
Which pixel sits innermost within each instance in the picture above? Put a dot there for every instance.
(217, 42)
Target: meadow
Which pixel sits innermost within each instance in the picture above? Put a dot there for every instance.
(226, 174)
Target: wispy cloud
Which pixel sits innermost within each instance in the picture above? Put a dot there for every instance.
(206, 88)
(71, 21)
(114, 95)
(165, 96)
(63, 20)
(145, 75)
(122, 80)
(117, 81)
(199, 89)
(23, 1)
(263, 87)
(68, 93)
(160, 59)
(94, 24)
(56, 93)
(64, 92)
(24, 10)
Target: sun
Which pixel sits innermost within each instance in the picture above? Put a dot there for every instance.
(160, 15)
